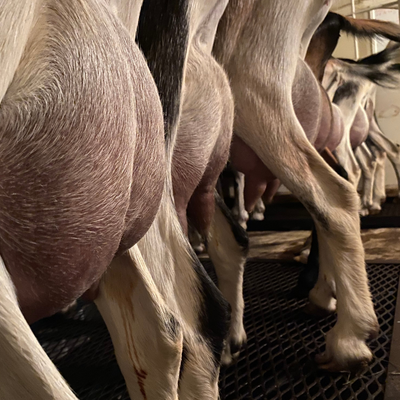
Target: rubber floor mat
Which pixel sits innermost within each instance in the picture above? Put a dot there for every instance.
(276, 363)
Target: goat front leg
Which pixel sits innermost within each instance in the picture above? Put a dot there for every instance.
(147, 338)
(26, 372)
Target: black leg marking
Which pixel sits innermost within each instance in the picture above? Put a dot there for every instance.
(308, 277)
(318, 214)
(215, 315)
(241, 236)
(183, 362)
(235, 347)
(173, 327)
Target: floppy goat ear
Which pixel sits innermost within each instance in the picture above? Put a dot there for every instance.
(380, 68)
(367, 28)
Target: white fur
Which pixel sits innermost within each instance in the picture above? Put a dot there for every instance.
(379, 189)
(140, 324)
(16, 20)
(128, 12)
(368, 166)
(239, 210)
(25, 370)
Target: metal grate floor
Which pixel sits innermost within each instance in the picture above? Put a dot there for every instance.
(277, 362)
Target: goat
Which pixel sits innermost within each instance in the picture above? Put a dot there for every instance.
(85, 175)
(263, 56)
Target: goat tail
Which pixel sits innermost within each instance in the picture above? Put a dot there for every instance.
(163, 34)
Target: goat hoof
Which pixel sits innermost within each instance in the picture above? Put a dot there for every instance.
(331, 365)
(257, 216)
(70, 309)
(199, 248)
(232, 350)
(344, 352)
(374, 332)
(374, 211)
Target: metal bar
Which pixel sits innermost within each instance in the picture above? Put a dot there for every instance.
(398, 6)
(353, 12)
(364, 10)
(374, 42)
(386, 5)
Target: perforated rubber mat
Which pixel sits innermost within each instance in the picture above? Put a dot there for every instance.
(277, 362)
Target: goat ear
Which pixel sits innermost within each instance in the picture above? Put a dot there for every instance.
(384, 56)
(394, 68)
(370, 28)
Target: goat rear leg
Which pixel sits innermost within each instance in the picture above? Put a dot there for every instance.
(379, 190)
(239, 210)
(333, 204)
(147, 338)
(227, 245)
(386, 145)
(345, 155)
(259, 210)
(368, 167)
(26, 372)
(302, 257)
